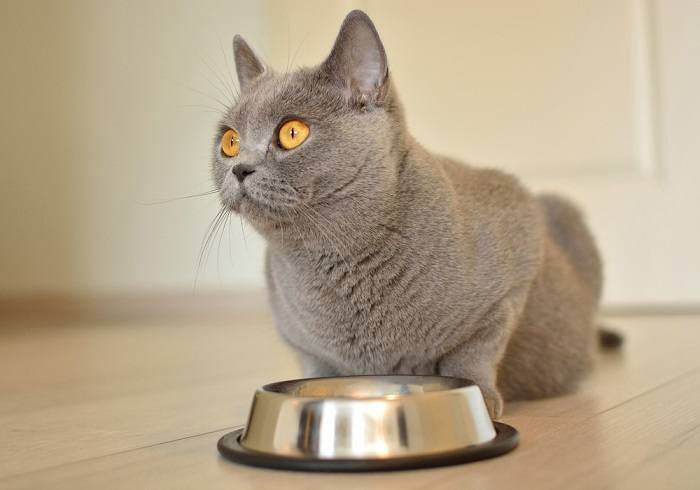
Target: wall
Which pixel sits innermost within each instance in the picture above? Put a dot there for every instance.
(107, 105)
(111, 104)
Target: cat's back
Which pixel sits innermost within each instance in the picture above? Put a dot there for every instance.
(496, 223)
(491, 199)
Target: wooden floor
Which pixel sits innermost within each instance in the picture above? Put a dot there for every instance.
(125, 405)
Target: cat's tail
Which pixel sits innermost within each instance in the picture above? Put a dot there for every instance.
(609, 339)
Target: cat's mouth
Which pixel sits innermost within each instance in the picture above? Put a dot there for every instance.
(256, 209)
(233, 199)
(260, 203)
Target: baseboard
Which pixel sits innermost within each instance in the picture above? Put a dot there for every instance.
(660, 309)
(129, 307)
(207, 305)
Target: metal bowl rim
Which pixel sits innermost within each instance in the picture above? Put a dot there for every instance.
(466, 385)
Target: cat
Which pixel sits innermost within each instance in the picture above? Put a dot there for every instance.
(384, 258)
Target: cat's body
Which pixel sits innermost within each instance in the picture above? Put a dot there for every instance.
(384, 258)
(468, 265)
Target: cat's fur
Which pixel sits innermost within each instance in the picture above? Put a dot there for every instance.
(385, 258)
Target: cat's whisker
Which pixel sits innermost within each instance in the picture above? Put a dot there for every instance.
(332, 229)
(234, 86)
(288, 37)
(206, 243)
(301, 237)
(205, 108)
(271, 201)
(172, 199)
(245, 242)
(209, 235)
(282, 231)
(335, 226)
(228, 227)
(222, 78)
(218, 246)
(330, 240)
(294, 57)
(226, 78)
(220, 233)
(215, 99)
(223, 88)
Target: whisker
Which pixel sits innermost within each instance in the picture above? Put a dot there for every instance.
(215, 99)
(282, 231)
(229, 71)
(204, 108)
(230, 252)
(232, 97)
(218, 246)
(221, 89)
(218, 89)
(206, 243)
(335, 226)
(301, 237)
(330, 240)
(288, 35)
(245, 242)
(273, 201)
(294, 57)
(165, 201)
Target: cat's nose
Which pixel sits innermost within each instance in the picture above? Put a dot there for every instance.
(242, 170)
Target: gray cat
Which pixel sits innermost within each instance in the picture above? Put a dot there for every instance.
(385, 258)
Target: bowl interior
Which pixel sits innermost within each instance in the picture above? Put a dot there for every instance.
(364, 387)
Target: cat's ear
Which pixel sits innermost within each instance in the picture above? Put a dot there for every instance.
(248, 65)
(357, 62)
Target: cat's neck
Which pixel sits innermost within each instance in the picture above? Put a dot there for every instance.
(350, 232)
(320, 239)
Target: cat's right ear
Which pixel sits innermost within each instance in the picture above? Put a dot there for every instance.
(248, 65)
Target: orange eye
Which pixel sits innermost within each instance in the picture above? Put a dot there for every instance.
(230, 143)
(292, 134)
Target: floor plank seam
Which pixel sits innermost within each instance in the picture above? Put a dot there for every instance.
(117, 453)
(646, 392)
(687, 436)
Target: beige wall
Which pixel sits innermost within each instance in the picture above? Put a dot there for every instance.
(101, 111)
(106, 105)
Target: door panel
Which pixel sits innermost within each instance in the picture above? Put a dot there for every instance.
(597, 100)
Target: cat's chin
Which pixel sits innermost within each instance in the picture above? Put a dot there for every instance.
(235, 205)
(261, 217)
(234, 200)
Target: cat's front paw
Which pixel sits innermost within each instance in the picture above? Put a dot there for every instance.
(494, 401)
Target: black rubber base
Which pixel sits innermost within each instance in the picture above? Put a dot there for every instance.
(506, 439)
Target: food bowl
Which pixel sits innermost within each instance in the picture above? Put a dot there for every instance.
(367, 423)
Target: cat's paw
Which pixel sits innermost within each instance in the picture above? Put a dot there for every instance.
(494, 401)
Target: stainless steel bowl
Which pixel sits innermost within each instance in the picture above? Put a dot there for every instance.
(367, 423)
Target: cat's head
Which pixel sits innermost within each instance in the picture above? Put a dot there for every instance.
(314, 146)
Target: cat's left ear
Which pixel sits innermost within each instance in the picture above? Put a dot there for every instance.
(357, 63)
(248, 65)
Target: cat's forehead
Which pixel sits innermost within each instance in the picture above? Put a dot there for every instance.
(278, 96)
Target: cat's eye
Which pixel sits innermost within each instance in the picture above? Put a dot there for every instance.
(230, 143)
(292, 134)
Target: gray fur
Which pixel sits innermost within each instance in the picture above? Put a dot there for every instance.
(385, 258)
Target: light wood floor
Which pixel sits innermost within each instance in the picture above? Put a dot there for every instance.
(141, 405)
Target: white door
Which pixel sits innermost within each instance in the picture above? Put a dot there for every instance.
(598, 100)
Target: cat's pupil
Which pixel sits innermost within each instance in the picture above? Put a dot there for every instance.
(292, 132)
